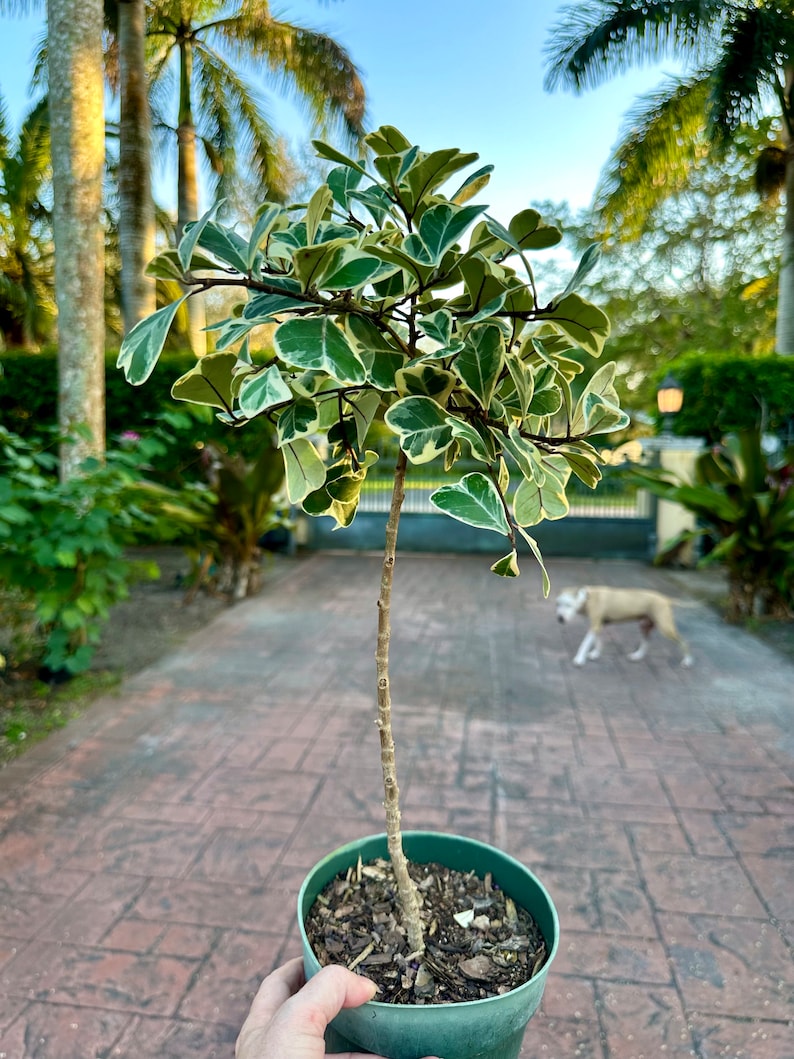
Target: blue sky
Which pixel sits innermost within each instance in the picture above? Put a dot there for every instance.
(459, 73)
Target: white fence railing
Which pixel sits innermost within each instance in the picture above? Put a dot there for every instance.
(606, 501)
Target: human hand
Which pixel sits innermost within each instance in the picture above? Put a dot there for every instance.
(289, 1015)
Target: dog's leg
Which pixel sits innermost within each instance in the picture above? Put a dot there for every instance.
(668, 628)
(589, 642)
(646, 628)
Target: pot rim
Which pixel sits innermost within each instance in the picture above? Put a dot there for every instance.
(531, 982)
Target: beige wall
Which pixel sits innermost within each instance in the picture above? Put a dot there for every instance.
(677, 455)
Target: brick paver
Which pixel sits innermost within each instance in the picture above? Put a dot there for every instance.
(150, 854)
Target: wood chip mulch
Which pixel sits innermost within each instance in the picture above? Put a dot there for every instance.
(478, 942)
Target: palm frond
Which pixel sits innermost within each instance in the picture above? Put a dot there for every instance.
(591, 42)
(308, 65)
(5, 129)
(757, 45)
(234, 125)
(38, 79)
(34, 143)
(663, 139)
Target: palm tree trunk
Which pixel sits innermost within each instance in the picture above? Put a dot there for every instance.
(76, 93)
(407, 895)
(136, 212)
(187, 184)
(784, 338)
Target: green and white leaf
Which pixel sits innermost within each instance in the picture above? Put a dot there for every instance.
(535, 549)
(602, 384)
(269, 216)
(438, 326)
(381, 357)
(480, 362)
(167, 265)
(443, 224)
(225, 244)
(583, 466)
(189, 240)
(305, 470)
(316, 343)
(363, 410)
(547, 398)
(425, 379)
(348, 268)
(422, 427)
(316, 211)
(261, 308)
(507, 566)
(474, 500)
(533, 503)
(325, 150)
(298, 420)
(262, 390)
(481, 444)
(339, 496)
(472, 185)
(342, 181)
(526, 454)
(523, 381)
(142, 347)
(210, 382)
(530, 232)
(587, 263)
(582, 321)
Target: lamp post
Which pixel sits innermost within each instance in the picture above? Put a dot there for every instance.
(669, 398)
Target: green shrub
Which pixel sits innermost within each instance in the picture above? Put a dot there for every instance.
(724, 393)
(62, 546)
(744, 500)
(176, 433)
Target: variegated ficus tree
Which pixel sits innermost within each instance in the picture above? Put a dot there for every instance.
(396, 301)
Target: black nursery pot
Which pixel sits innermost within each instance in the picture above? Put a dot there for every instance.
(476, 1029)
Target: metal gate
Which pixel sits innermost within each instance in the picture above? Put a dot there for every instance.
(615, 521)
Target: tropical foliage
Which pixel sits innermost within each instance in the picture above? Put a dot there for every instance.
(200, 48)
(62, 545)
(744, 502)
(725, 393)
(737, 62)
(27, 297)
(700, 279)
(393, 299)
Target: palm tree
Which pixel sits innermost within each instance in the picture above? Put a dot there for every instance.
(77, 131)
(738, 59)
(27, 300)
(211, 41)
(136, 205)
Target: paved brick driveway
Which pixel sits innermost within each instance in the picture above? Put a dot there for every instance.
(150, 854)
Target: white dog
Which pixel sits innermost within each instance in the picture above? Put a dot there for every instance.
(602, 605)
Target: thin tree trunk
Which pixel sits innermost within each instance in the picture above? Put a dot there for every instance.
(136, 213)
(187, 185)
(406, 890)
(76, 95)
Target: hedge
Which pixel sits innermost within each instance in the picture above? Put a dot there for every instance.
(29, 392)
(724, 392)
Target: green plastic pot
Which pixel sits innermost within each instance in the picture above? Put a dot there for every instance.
(476, 1029)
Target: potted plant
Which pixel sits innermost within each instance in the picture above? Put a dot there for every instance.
(399, 302)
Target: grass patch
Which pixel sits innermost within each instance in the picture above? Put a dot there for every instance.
(30, 709)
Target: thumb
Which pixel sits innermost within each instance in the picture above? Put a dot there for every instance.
(301, 1022)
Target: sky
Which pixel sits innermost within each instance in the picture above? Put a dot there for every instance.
(447, 73)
